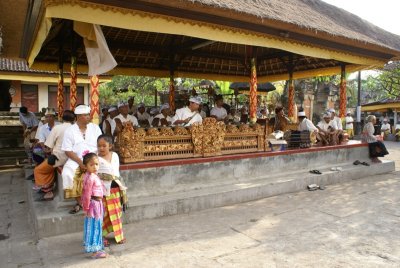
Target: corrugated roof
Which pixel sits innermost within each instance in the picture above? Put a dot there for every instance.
(18, 65)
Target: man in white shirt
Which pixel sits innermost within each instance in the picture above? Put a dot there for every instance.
(109, 123)
(305, 124)
(327, 132)
(385, 128)
(163, 119)
(336, 120)
(79, 139)
(219, 111)
(187, 116)
(349, 125)
(123, 118)
(142, 116)
(44, 131)
(44, 173)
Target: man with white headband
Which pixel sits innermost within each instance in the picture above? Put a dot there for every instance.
(79, 139)
(337, 122)
(187, 116)
(142, 116)
(163, 119)
(109, 122)
(123, 118)
(305, 124)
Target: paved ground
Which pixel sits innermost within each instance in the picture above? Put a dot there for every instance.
(355, 224)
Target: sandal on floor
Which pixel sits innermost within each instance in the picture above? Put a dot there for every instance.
(365, 164)
(356, 162)
(121, 242)
(76, 209)
(315, 172)
(99, 255)
(106, 243)
(42, 198)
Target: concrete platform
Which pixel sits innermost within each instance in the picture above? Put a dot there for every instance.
(184, 186)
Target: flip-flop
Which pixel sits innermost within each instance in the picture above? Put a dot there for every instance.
(315, 172)
(365, 164)
(121, 242)
(99, 255)
(357, 162)
(76, 209)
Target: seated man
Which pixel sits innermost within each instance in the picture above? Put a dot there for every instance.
(218, 111)
(306, 125)
(327, 134)
(187, 116)
(44, 173)
(142, 116)
(280, 122)
(163, 119)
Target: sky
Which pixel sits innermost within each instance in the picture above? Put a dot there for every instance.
(382, 13)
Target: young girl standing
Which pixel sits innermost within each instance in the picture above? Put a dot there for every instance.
(92, 195)
(115, 190)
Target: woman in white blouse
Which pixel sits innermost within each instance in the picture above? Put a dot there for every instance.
(375, 144)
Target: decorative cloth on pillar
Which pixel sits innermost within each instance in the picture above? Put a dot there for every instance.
(73, 90)
(94, 99)
(172, 93)
(60, 94)
(342, 94)
(253, 91)
(291, 103)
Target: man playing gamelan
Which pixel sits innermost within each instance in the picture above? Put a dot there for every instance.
(188, 115)
(327, 133)
(123, 118)
(79, 139)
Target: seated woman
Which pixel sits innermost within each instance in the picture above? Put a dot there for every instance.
(375, 145)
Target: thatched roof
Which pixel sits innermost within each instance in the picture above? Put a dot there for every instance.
(314, 15)
(211, 38)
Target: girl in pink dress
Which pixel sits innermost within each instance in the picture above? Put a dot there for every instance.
(92, 195)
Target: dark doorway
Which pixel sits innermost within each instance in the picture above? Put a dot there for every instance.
(5, 97)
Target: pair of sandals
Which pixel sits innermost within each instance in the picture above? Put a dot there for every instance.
(315, 171)
(357, 162)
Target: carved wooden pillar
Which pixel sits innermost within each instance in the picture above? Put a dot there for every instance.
(60, 85)
(253, 91)
(291, 103)
(342, 94)
(94, 99)
(73, 89)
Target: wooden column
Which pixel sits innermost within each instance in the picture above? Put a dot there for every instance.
(94, 99)
(171, 91)
(253, 90)
(73, 96)
(291, 103)
(342, 94)
(60, 85)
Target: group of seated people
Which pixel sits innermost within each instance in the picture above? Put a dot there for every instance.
(329, 131)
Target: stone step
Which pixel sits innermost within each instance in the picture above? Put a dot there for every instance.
(52, 218)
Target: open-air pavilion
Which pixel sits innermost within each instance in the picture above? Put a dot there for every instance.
(231, 40)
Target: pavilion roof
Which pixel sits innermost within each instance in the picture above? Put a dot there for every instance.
(214, 39)
(381, 105)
